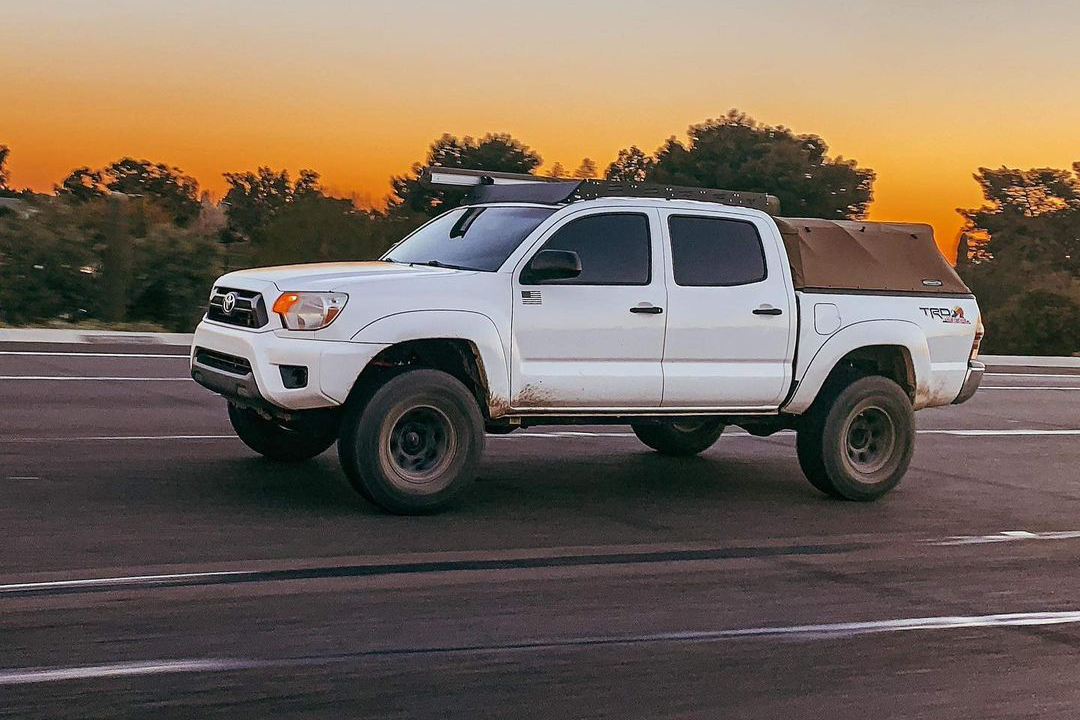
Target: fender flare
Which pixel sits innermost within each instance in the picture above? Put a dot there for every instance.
(868, 333)
(474, 327)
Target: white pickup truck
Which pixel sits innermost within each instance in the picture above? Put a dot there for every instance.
(677, 311)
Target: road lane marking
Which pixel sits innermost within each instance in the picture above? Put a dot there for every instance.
(35, 353)
(116, 438)
(547, 435)
(1006, 536)
(999, 433)
(86, 378)
(416, 567)
(1029, 375)
(821, 631)
(24, 676)
(1028, 387)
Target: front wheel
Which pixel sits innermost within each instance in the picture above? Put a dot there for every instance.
(860, 445)
(275, 441)
(414, 444)
(679, 438)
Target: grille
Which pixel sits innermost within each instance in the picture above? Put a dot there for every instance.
(248, 311)
(222, 361)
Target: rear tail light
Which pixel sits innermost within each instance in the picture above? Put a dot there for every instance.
(979, 332)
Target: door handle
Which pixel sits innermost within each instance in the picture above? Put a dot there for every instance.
(768, 310)
(647, 309)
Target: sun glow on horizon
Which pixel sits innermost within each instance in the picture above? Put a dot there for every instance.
(357, 91)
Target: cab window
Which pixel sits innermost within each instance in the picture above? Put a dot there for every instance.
(614, 248)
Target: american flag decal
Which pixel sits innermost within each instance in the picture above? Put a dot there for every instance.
(531, 297)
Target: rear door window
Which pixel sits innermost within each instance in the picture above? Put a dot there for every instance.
(712, 251)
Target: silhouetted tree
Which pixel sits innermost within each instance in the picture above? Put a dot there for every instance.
(255, 198)
(557, 170)
(318, 228)
(736, 152)
(1030, 216)
(81, 184)
(165, 186)
(169, 186)
(586, 170)
(5, 174)
(632, 165)
(1022, 258)
(497, 152)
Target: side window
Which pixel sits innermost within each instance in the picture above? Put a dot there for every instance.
(709, 251)
(614, 249)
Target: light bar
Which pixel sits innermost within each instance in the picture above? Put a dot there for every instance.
(461, 177)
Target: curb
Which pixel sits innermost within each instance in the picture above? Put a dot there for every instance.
(93, 337)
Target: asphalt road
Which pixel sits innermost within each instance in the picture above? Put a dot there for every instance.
(151, 566)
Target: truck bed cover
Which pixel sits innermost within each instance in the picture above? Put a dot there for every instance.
(867, 256)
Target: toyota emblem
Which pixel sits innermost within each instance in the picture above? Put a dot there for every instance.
(228, 303)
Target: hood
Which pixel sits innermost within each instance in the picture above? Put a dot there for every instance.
(331, 275)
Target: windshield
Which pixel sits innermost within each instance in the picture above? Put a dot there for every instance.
(470, 238)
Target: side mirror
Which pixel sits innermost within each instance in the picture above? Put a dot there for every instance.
(553, 265)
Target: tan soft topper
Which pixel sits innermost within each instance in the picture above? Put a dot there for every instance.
(858, 255)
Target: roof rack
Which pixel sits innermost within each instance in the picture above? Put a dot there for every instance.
(489, 186)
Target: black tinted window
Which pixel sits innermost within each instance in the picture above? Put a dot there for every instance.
(713, 251)
(476, 238)
(614, 249)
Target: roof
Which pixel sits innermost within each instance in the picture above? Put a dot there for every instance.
(863, 255)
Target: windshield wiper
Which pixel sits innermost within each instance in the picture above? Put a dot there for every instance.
(436, 263)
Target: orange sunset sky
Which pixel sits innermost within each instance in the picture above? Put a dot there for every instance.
(922, 92)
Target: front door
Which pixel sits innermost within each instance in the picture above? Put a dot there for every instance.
(596, 340)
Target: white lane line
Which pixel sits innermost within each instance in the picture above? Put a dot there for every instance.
(117, 438)
(1029, 375)
(1007, 536)
(534, 435)
(86, 378)
(23, 477)
(34, 353)
(111, 670)
(19, 676)
(998, 433)
(121, 580)
(1028, 387)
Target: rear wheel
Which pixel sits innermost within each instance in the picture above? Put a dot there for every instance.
(413, 444)
(860, 445)
(276, 441)
(679, 438)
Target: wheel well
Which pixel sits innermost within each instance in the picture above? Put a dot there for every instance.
(453, 356)
(891, 361)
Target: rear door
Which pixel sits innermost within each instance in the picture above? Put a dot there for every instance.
(594, 341)
(731, 315)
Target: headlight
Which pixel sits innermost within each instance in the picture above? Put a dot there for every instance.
(309, 310)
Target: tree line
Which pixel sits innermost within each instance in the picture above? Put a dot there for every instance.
(136, 241)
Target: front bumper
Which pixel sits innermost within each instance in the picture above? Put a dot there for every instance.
(332, 366)
(971, 382)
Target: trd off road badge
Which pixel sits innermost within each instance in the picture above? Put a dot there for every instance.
(945, 315)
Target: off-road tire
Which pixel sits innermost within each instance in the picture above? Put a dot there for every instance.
(412, 444)
(275, 441)
(860, 444)
(679, 438)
